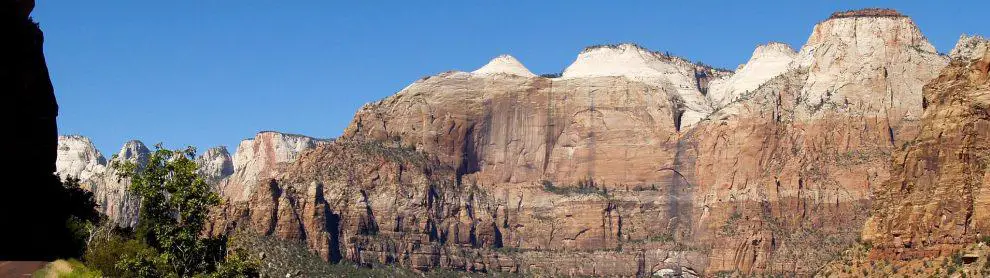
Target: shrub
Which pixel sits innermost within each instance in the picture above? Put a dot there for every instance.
(168, 241)
(105, 253)
(583, 187)
(67, 269)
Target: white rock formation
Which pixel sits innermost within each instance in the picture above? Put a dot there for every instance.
(669, 73)
(257, 159)
(78, 157)
(768, 61)
(969, 47)
(215, 165)
(113, 194)
(504, 64)
(867, 63)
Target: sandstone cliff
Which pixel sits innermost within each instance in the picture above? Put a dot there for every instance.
(767, 61)
(215, 165)
(636, 162)
(938, 197)
(256, 160)
(78, 157)
(731, 162)
(930, 216)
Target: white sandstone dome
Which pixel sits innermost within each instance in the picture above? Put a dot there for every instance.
(768, 61)
(628, 60)
(504, 64)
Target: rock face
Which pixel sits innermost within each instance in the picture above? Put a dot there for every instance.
(78, 157)
(872, 62)
(768, 61)
(938, 197)
(512, 129)
(29, 110)
(635, 162)
(785, 174)
(631, 162)
(113, 193)
(215, 165)
(257, 159)
(675, 76)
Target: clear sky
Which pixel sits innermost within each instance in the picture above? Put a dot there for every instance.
(208, 73)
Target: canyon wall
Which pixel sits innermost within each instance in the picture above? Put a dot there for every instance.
(938, 196)
(636, 162)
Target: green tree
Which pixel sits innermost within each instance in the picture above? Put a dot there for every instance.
(82, 214)
(175, 202)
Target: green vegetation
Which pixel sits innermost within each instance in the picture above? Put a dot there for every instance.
(729, 228)
(71, 268)
(583, 187)
(287, 258)
(82, 214)
(168, 241)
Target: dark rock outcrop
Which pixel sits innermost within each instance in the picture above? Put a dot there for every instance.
(33, 212)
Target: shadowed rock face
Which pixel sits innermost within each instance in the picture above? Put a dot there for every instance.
(938, 197)
(37, 230)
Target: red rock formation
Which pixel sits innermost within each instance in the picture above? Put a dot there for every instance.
(938, 197)
(594, 173)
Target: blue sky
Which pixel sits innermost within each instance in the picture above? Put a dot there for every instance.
(208, 73)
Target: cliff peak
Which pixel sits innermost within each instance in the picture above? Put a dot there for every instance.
(504, 64)
(768, 61)
(870, 61)
(969, 47)
(773, 49)
(78, 157)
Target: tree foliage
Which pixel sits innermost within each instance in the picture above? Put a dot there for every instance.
(168, 241)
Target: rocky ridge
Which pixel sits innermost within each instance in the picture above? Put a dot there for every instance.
(78, 157)
(768, 61)
(258, 158)
(676, 76)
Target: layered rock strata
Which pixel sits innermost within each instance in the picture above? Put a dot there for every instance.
(938, 197)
